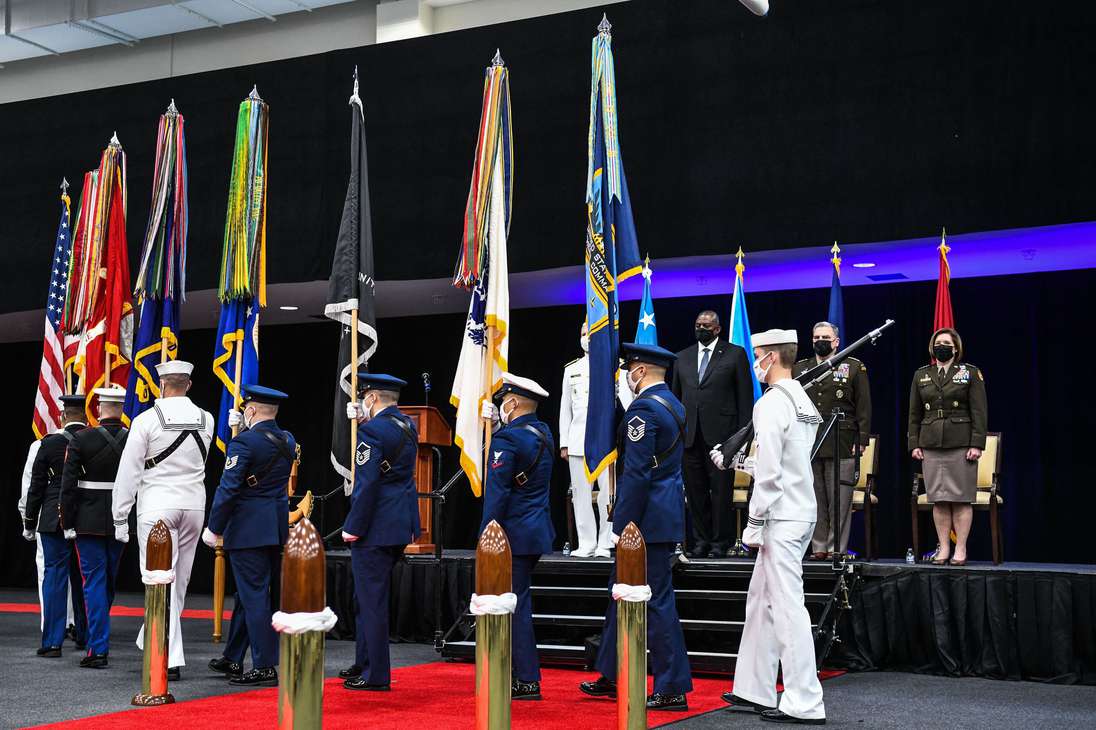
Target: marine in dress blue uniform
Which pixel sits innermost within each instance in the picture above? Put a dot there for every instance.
(650, 493)
(251, 512)
(515, 494)
(87, 485)
(43, 514)
(383, 520)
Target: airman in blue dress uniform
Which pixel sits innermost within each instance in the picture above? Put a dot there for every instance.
(42, 515)
(515, 494)
(383, 520)
(251, 511)
(650, 494)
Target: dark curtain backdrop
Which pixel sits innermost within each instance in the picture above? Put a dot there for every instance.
(855, 120)
(1025, 332)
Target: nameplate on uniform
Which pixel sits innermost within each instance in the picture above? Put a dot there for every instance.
(636, 428)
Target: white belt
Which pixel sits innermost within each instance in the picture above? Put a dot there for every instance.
(107, 486)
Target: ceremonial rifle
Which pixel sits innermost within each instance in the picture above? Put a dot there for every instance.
(741, 439)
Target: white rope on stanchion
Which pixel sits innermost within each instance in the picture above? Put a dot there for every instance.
(492, 605)
(632, 594)
(298, 623)
(157, 577)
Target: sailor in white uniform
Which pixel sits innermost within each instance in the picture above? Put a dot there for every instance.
(163, 469)
(594, 538)
(782, 514)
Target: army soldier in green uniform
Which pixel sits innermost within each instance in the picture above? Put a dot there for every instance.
(845, 388)
(947, 432)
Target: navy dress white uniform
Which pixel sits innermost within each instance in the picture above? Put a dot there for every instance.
(650, 493)
(162, 470)
(782, 514)
(251, 513)
(383, 520)
(87, 485)
(515, 494)
(43, 514)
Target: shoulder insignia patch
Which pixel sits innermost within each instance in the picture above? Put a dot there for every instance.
(362, 454)
(230, 463)
(636, 428)
(496, 462)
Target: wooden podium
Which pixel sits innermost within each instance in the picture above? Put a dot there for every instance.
(433, 431)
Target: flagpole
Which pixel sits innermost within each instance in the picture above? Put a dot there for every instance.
(353, 391)
(488, 384)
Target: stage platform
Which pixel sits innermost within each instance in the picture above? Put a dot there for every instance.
(1030, 621)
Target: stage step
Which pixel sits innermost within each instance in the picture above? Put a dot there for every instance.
(703, 594)
(570, 655)
(597, 622)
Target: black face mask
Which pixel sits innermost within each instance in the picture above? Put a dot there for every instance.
(704, 336)
(943, 353)
(823, 347)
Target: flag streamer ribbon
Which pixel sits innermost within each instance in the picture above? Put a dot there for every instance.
(243, 258)
(493, 138)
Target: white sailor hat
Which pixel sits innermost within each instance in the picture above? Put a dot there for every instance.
(521, 386)
(175, 367)
(774, 337)
(113, 394)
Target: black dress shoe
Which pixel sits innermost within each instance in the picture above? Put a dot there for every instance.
(360, 683)
(94, 661)
(223, 665)
(601, 687)
(674, 703)
(50, 652)
(717, 550)
(778, 716)
(351, 672)
(267, 677)
(174, 674)
(524, 690)
(700, 550)
(738, 703)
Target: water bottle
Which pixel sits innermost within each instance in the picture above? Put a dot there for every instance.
(566, 549)
(909, 556)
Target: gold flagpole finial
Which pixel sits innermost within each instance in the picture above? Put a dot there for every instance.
(944, 247)
(739, 267)
(647, 267)
(64, 186)
(836, 260)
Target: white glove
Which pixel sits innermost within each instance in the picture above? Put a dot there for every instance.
(489, 412)
(70, 534)
(121, 533)
(235, 418)
(347, 537)
(208, 537)
(28, 535)
(753, 536)
(744, 463)
(716, 455)
(354, 411)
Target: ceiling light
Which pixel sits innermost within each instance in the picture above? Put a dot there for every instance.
(288, 308)
(864, 265)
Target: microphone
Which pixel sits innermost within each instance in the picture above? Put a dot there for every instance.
(426, 386)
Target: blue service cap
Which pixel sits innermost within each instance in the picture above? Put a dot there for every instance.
(70, 400)
(379, 381)
(262, 394)
(649, 354)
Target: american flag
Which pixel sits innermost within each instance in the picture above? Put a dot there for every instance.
(51, 377)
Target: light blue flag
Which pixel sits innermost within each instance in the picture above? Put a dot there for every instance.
(646, 330)
(740, 321)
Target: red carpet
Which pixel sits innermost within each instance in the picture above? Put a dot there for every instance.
(435, 695)
(138, 611)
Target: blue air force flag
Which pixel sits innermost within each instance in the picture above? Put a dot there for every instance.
(238, 331)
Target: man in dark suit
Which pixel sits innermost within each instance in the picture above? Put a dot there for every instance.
(712, 379)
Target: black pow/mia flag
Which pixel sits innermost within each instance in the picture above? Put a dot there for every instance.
(351, 287)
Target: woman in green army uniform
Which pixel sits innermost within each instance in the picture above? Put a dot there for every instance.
(947, 432)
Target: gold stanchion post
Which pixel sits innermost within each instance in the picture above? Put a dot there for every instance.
(494, 577)
(631, 567)
(154, 667)
(300, 685)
